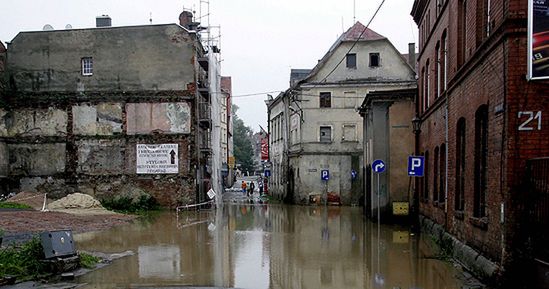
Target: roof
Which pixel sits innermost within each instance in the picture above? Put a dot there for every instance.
(298, 74)
(360, 32)
(357, 32)
(2, 47)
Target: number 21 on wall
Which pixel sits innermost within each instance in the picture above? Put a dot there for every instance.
(530, 122)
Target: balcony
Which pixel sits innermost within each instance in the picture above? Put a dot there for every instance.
(204, 92)
(204, 63)
(204, 114)
(205, 142)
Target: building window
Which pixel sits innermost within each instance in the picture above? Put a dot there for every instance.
(462, 31)
(483, 18)
(427, 88)
(325, 134)
(87, 66)
(460, 166)
(442, 175)
(349, 132)
(436, 172)
(351, 60)
(422, 88)
(444, 59)
(437, 69)
(426, 178)
(325, 99)
(374, 60)
(481, 158)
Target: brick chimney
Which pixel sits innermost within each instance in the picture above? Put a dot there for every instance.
(412, 55)
(186, 19)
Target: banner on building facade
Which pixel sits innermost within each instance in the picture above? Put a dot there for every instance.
(157, 159)
(538, 39)
(265, 148)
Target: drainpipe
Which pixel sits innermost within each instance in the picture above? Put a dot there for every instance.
(446, 167)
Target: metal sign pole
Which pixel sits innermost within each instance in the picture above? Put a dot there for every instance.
(378, 201)
(325, 193)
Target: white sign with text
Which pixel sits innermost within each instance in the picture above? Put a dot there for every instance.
(157, 159)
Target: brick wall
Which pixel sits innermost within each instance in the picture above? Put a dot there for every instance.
(493, 74)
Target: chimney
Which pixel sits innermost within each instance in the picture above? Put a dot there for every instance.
(412, 55)
(186, 19)
(103, 21)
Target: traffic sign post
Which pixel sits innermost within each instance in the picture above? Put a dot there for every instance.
(325, 176)
(416, 166)
(378, 166)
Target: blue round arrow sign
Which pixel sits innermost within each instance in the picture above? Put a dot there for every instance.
(378, 166)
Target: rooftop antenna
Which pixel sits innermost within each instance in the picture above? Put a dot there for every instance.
(150, 18)
(354, 12)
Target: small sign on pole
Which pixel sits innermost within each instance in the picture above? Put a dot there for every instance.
(325, 175)
(378, 166)
(416, 166)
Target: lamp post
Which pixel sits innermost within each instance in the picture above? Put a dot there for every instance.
(416, 126)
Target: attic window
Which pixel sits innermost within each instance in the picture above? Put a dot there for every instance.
(374, 60)
(87, 66)
(351, 60)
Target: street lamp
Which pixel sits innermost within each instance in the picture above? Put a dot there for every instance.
(416, 126)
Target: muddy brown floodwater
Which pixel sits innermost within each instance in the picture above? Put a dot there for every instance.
(267, 246)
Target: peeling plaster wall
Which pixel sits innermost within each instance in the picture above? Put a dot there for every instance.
(33, 122)
(37, 159)
(97, 157)
(169, 118)
(101, 119)
(124, 58)
(67, 133)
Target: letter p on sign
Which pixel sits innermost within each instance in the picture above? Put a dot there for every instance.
(416, 166)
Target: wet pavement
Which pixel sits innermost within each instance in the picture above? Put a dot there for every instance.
(245, 244)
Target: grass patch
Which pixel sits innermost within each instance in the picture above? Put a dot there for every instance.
(124, 204)
(23, 261)
(9, 205)
(88, 261)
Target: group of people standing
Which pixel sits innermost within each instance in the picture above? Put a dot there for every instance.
(249, 189)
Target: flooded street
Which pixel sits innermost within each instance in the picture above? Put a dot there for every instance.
(266, 246)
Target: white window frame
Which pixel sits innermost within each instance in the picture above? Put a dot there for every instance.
(86, 66)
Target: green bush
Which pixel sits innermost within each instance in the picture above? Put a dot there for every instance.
(23, 262)
(127, 204)
(8, 205)
(88, 261)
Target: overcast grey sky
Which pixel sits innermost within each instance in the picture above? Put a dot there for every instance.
(261, 40)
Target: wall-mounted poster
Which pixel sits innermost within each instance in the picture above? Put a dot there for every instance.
(538, 39)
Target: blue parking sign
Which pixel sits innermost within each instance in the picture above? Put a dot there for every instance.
(325, 175)
(416, 165)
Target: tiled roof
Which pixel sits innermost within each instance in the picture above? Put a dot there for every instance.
(354, 33)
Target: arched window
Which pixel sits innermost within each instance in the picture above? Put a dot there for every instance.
(481, 159)
(460, 166)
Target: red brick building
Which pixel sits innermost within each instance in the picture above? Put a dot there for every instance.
(482, 123)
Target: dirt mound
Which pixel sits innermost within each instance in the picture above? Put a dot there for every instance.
(76, 201)
(35, 200)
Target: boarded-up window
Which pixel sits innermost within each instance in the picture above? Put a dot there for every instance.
(325, 134)
(350, 99)
(351, 60)
(349, 132)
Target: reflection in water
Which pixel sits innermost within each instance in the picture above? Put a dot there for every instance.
(261, 246)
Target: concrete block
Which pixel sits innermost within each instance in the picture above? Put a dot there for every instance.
(55, 188)
(36, 159)
(98, 157)
(165, 118)
(101, 119)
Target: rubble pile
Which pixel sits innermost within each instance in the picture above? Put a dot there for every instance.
(76, 201)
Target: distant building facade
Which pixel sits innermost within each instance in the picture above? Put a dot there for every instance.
(97, 110)
(484, 138)
(314, 126)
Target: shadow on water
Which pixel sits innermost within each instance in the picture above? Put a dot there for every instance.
(267, 246)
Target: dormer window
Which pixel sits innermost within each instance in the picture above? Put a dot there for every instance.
(87, 66)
